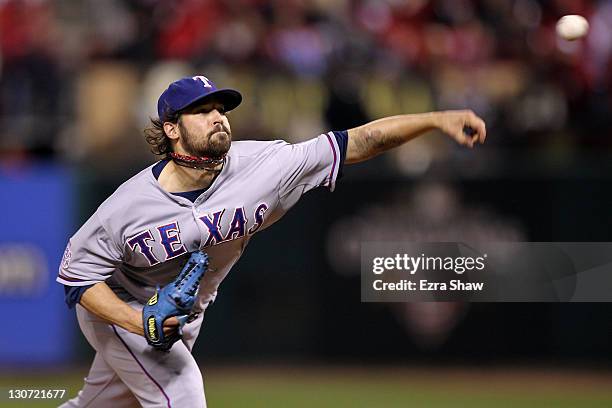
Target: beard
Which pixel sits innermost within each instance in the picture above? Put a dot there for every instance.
(215, 144)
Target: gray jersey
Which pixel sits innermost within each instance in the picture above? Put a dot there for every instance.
(138, 237)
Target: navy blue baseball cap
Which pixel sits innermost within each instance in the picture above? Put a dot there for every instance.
(187, 91)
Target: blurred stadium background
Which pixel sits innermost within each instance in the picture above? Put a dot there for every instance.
(79, 80)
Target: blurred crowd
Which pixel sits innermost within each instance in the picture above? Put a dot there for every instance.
(80, 78)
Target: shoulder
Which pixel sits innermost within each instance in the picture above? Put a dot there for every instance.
(255, 148)
(248, 153)
(140, 187)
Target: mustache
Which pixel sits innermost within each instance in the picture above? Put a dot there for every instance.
(218, 128)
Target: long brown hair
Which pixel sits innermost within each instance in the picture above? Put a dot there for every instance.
(156, 136)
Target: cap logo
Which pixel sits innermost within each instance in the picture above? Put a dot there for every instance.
(204, 80)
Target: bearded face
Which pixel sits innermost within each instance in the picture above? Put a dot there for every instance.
(214, 144)
(205, 131)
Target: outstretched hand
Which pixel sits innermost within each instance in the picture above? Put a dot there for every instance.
(464, 126)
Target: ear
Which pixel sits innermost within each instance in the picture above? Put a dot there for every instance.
(171, 130)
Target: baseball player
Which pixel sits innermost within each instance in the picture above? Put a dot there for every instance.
(210, 195)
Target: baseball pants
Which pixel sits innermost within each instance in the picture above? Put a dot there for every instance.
(127, 372)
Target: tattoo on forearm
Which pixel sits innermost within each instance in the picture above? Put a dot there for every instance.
(370, 142)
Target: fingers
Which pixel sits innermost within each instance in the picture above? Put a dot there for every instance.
(171, 322)
(473, 129)
(171, 326)
(168, 331)
(479, 126)
(465, 139)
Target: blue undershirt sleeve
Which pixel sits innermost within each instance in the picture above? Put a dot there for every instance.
(73, 294)
(342, 140)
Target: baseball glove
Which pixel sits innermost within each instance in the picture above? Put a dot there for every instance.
(175, 299)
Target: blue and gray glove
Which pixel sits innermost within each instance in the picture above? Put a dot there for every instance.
(175, 299)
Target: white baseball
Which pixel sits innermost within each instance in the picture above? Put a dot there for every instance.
(572, 27)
